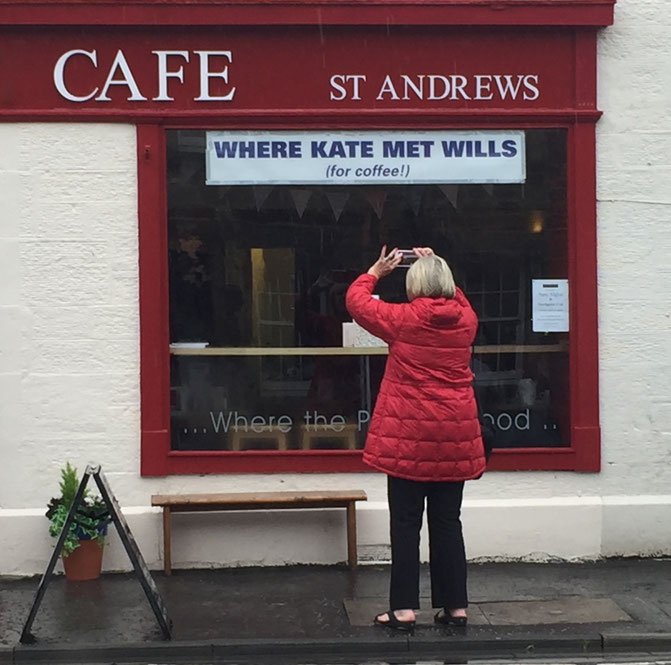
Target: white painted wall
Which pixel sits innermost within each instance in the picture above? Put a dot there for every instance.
(69, 353)
(634, 277)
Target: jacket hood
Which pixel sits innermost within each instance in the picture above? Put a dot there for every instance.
(439, 311)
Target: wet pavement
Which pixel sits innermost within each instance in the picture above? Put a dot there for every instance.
(317, 614)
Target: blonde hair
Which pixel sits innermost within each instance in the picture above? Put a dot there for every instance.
(429, 277)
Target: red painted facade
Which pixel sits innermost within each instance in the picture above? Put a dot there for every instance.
(279, 61)
(307, 12)
(272, 69)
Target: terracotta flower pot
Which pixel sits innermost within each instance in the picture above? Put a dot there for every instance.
(85, 562)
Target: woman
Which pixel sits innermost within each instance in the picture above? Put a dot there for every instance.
(424, 432)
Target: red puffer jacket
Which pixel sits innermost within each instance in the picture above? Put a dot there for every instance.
(425, 423)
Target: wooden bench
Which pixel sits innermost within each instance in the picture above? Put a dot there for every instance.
(185, 503)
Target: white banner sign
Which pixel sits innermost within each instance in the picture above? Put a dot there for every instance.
(364, 157)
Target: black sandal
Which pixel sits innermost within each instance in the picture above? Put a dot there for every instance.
(394, 622)
(446, 619)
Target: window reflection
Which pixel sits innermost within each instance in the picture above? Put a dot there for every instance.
(257, 282)
(272, 402)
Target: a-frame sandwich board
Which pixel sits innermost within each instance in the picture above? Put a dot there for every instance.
(134, 554)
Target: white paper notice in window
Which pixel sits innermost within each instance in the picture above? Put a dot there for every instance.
(354, 335)
(364, 157)
(549, 305)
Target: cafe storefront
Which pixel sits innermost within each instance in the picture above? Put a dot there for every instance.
(476, 142)
(276, 149)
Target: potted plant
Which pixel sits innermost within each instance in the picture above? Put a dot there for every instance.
(83, 546)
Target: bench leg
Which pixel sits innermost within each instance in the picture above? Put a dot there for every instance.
(351, 535)
(167, 563)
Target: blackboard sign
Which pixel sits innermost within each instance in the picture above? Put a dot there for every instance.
(139, 565)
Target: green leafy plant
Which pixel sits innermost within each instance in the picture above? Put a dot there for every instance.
(91, 517)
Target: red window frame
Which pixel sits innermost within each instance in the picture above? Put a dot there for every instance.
(579, 18)
(583, 454)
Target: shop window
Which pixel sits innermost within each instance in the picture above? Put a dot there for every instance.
(257, 277)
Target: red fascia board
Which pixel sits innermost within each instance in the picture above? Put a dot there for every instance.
(308, 12)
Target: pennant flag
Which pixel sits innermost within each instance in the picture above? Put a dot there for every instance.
(451, 192)
(300, 198)
(415, 199)
(226, 208)
(261, 193)
(376, 197)
(338, 200)
(222, 190)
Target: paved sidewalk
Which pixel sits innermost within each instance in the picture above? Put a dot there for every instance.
(313, 612)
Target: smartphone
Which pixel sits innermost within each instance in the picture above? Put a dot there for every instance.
(408, 257)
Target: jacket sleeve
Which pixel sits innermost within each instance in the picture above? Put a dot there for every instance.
(376, 316)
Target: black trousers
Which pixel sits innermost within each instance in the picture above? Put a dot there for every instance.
(446, 542)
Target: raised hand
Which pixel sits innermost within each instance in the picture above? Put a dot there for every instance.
(385, 263)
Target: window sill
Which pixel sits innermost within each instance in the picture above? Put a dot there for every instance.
(346, 461)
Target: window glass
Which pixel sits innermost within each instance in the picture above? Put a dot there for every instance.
(257, 278)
